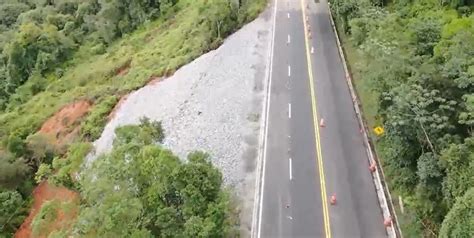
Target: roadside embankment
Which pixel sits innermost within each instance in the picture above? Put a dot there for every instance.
(212, 104)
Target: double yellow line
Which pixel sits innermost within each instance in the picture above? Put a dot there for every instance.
(327, 225)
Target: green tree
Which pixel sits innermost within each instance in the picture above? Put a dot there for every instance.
(9, 12)
(44, 172)
(40, 148)
(141, 187)
(12, 212)
(13, 171)
(458, 161)
(426, 32)
(458, 221)
(35, 48)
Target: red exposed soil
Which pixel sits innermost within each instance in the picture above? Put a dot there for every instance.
(62, 127)
(123, 70)
(154, 80)
(45, 192)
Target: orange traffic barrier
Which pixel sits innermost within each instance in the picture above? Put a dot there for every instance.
(333, 199)
(321, 123)
(372, 167)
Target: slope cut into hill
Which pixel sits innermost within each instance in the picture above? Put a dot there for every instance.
(212, 104)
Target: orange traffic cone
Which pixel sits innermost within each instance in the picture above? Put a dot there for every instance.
(387, 222)
(333, 199)
(321, 123)
(372, 167)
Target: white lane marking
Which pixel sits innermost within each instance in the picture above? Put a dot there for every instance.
(291, 172)
(289, 110)
(288, 15)
(289, 39)
(312, 50)
(260, 181)
(289, 71)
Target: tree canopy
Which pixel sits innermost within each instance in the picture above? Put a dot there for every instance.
(141, 189)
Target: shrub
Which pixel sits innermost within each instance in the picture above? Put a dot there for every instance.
(97, 118)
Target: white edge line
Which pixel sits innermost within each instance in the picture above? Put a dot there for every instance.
(289, 70)
(289, 110)
(291, 170)
(260, 174)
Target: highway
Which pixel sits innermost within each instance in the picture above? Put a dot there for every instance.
(306, 163)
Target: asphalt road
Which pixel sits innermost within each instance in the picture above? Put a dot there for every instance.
(304, 163)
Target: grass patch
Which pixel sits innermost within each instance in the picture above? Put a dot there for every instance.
(96, 120)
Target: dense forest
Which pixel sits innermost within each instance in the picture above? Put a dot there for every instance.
(417, 58)
(57, 54)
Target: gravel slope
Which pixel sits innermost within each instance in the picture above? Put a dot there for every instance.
(212, 104)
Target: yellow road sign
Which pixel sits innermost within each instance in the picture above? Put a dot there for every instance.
(379, 130)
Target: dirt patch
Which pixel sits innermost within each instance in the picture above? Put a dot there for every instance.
(45, 192)
(62, 127)
(154, 80)
(123, 69)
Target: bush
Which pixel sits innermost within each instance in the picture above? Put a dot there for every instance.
(459, 220)
(47, 214)
(97, 118)
(66, 168)
(43, 173)
(12, 211)
(142, 185)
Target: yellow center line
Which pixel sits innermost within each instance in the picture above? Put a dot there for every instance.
(319, 157)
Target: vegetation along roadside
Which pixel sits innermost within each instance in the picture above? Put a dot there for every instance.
(64, 65)
(412, 64)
